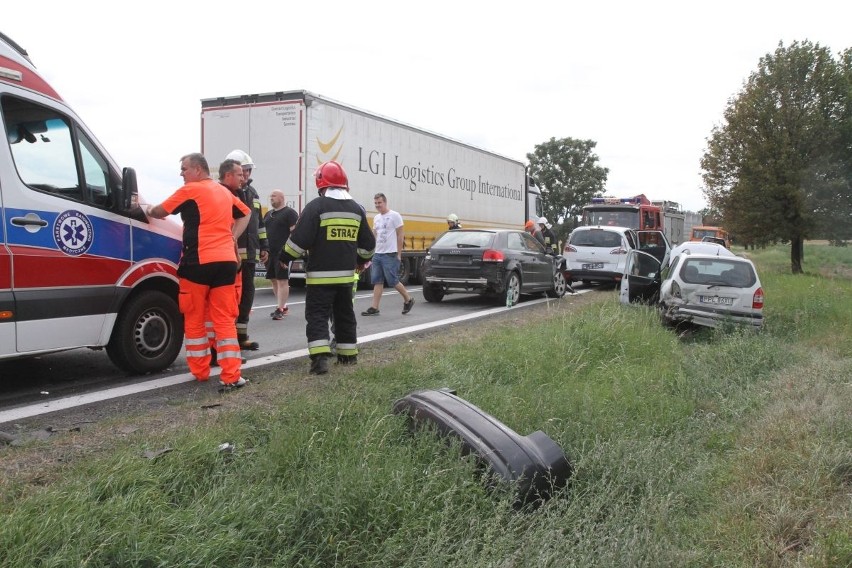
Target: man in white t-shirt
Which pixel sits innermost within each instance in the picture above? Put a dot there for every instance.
(389, 231)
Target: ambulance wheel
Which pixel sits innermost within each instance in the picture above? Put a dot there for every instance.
(148, 333)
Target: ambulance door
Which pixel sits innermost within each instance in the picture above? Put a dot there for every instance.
(67, 246)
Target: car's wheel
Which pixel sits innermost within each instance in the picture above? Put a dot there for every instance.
(559, 285)
(511, 290)
(432, 293)
(148, 333)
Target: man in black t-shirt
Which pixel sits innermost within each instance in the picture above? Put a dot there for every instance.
(279, 221)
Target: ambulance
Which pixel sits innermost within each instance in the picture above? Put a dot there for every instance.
(80, 263)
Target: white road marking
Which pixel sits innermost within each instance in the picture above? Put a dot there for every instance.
(117, 392)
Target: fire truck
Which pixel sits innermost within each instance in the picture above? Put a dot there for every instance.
(637, 212)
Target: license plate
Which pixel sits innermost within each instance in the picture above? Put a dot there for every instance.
(717, 300)
(593, 266)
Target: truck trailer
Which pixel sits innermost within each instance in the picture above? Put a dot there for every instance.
(425, 176)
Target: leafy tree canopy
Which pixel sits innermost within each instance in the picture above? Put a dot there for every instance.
(568, 171)
(778, 167)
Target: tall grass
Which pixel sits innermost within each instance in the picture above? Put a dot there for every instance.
(715, 448)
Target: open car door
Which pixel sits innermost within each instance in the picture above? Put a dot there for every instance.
(641, 280)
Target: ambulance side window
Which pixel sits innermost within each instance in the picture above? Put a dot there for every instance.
(43, 147)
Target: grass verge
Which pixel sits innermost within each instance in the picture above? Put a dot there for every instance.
(709, 448)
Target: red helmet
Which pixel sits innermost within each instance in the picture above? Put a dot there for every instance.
(331, 174)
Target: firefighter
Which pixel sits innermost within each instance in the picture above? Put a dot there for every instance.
(252, 245)
(550, 244)
(533, 229)
(334, 234)
(213, 218)
(453, 222)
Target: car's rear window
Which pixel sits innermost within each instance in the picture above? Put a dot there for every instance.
(464, 239)
(595, 238)
(718, 271)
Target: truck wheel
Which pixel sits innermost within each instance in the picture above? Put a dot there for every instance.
(511, 290)
(404, 271)
(432, 293)
(559, 285)
(148, 334)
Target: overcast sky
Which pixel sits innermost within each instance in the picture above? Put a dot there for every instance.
(646, 81)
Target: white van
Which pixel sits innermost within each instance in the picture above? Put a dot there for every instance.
(80, 264)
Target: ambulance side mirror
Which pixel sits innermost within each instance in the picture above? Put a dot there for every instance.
(129, 198)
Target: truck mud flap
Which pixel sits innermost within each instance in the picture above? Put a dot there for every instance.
(535, 463)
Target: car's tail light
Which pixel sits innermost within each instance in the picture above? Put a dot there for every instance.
(757, 300)
(491, 255)
(676, 291)
(619, 250)
(569, 248)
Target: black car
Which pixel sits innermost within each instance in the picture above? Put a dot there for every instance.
(503, 263)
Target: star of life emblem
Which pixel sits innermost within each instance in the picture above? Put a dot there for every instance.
(73, 233)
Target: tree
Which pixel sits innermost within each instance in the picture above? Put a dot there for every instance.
(568, 171)
(782, 155)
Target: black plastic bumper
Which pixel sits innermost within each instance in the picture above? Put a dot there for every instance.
(535, 462)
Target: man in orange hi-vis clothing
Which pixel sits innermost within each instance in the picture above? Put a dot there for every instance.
(213, 218)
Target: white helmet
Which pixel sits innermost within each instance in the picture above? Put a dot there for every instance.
(453, 217)
(241, 157)
(543, 221)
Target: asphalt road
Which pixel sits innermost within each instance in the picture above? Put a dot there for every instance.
(46, 379)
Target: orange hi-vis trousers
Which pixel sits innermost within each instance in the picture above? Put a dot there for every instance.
(198, 303)
(208, 322)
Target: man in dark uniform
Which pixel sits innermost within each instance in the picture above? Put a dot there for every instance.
(252, 245)
(333, 228)
(550, 244)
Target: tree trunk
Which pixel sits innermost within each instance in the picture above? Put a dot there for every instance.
(797, 254)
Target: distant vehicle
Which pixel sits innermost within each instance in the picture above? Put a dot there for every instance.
(702, 283)
(598, 254)
(701, 231)
(638, 213)
(502, 263)
(716, 240)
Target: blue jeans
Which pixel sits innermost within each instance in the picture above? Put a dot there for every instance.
(385, 268)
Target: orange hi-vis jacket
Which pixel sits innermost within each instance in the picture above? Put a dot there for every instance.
(207, 221)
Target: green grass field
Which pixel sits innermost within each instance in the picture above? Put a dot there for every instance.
(711, 448)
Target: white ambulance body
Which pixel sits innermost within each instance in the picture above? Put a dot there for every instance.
(80, 264)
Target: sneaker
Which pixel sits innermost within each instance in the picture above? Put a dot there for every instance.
(247, 345)
(406, 306)
(241, 382)
(278, 314)
(371, 311)
(319, 365)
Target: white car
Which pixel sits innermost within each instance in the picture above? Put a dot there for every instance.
(702, 283)
(597, 253)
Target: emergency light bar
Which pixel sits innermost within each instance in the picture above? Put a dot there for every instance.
(615, 200)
